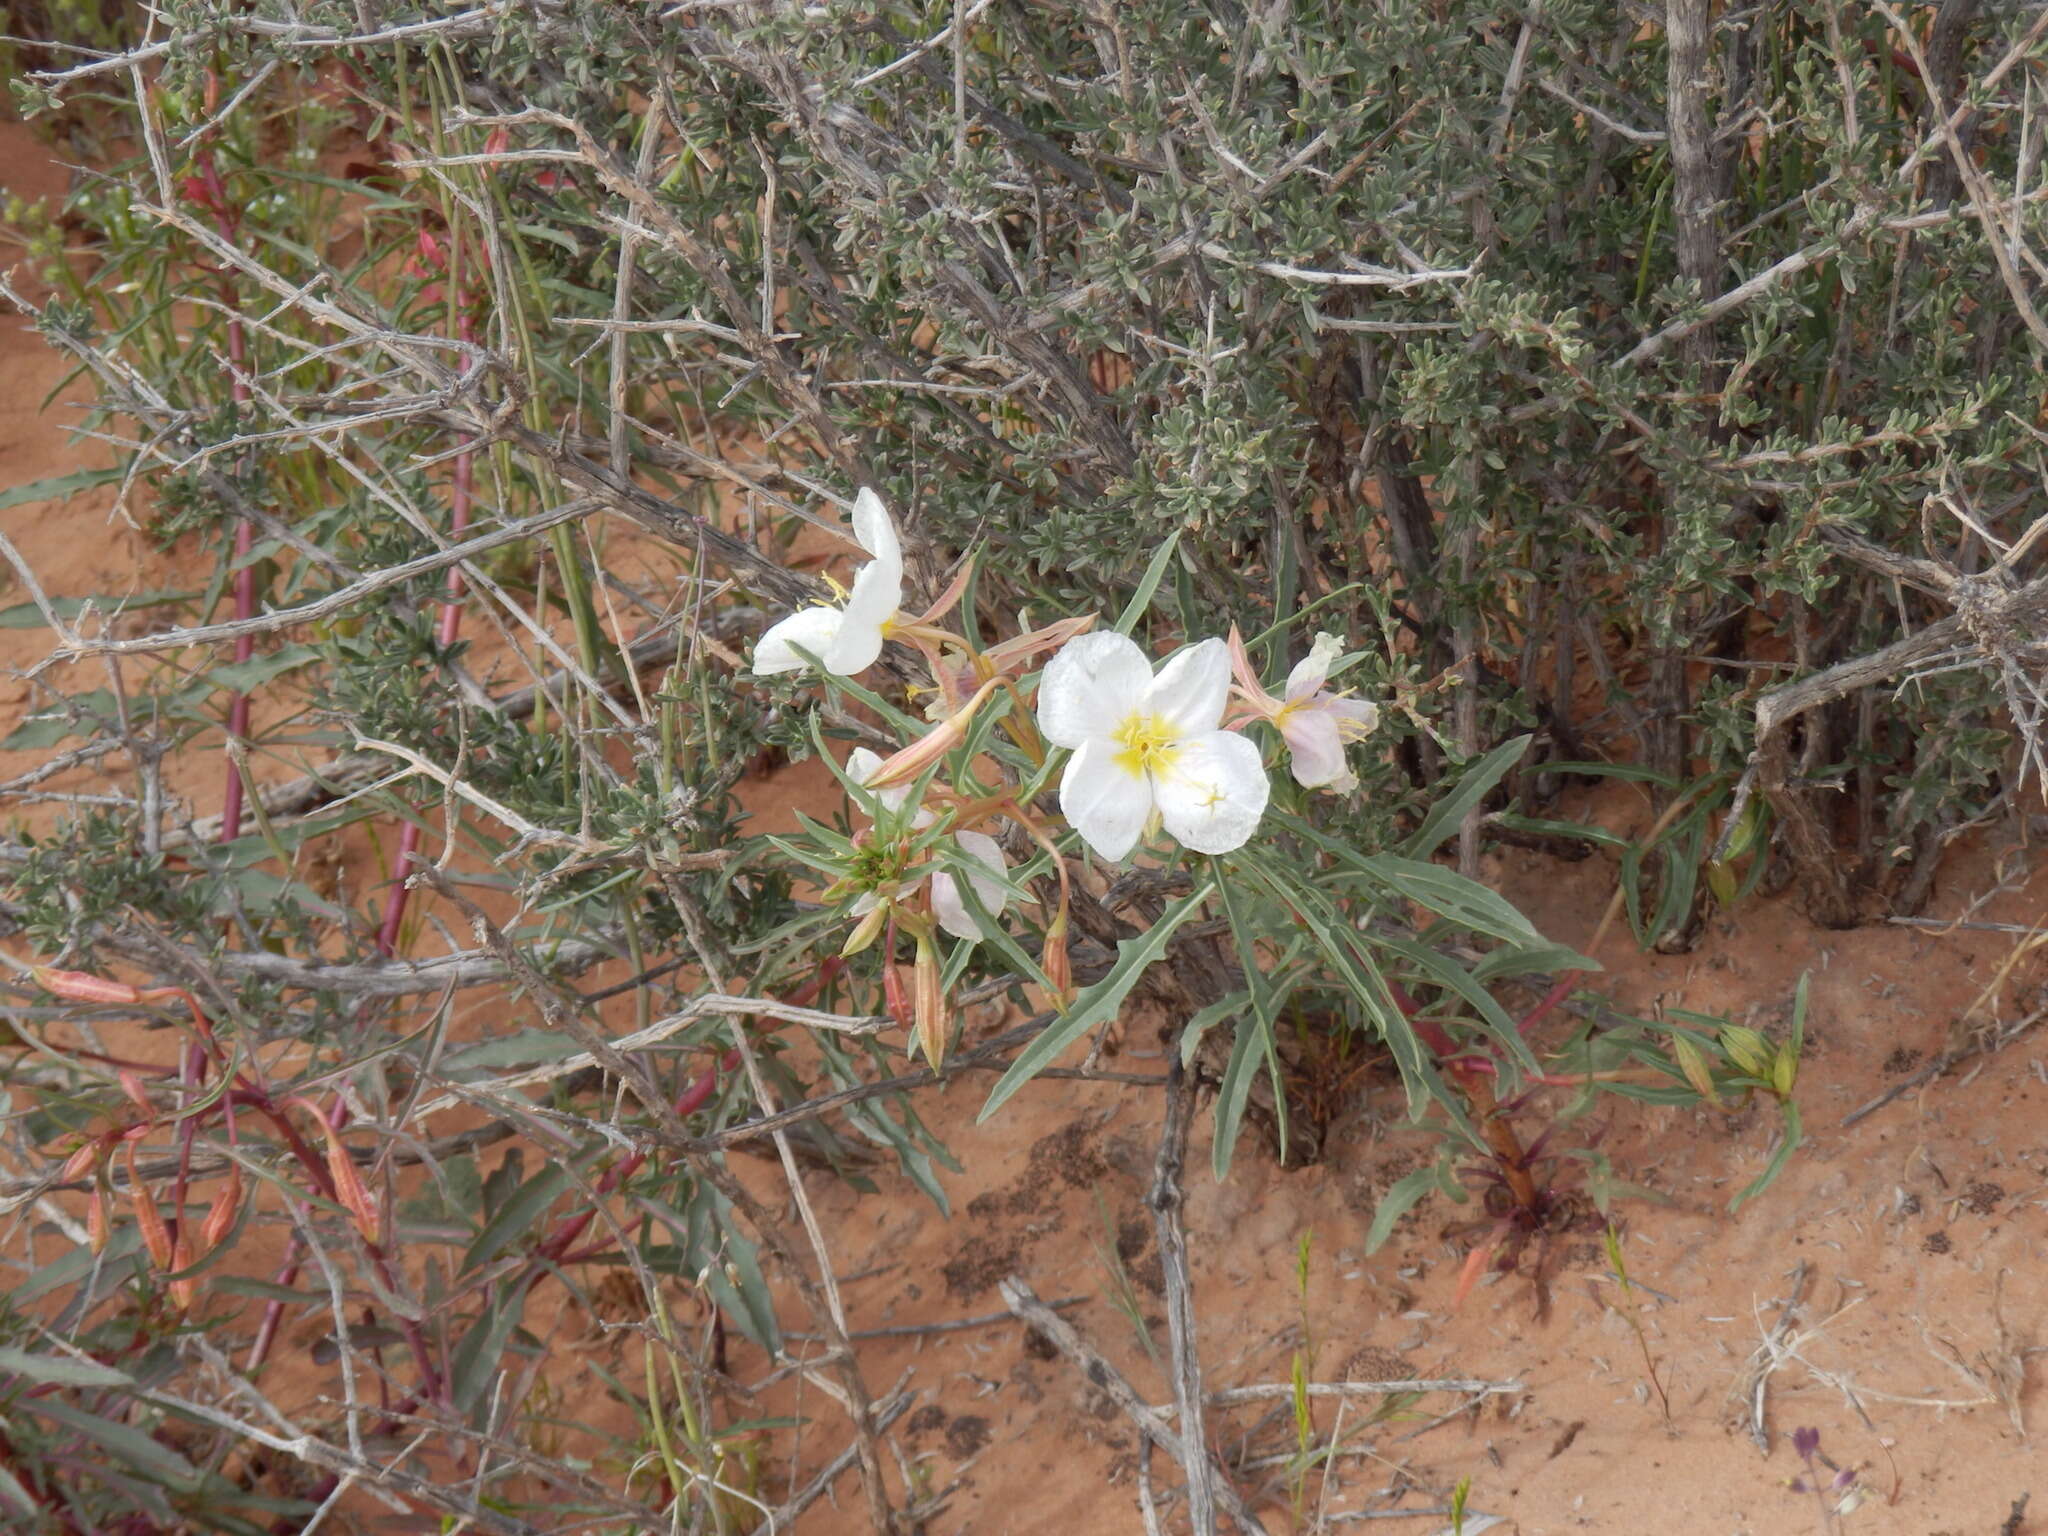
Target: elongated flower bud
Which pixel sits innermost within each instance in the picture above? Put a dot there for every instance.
(1057, 964)
(866, 930)
(76, 1164)
(156, 1237)
(183, 1292)
(226, 1206)
(348, 1187)
(929, 1002)
(131, 1084)
(901, 767)
(893, 994)
(81, 987)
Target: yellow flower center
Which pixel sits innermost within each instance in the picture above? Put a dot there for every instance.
(1150, 744)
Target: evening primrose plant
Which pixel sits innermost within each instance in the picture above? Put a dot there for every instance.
(1106, 765)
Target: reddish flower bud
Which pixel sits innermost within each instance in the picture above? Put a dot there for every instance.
(226, 1206)
(156, 1237)
(183, 1292)
(80, 987)
(76, 1164)
(893, 994)
(348, 1185)
(131, 1084)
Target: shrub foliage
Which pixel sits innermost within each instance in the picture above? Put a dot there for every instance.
(1639, 391)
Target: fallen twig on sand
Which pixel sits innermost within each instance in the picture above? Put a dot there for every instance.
(1767, 1358)
(887, 1412)
(1061, 1334)
(1985, 1045)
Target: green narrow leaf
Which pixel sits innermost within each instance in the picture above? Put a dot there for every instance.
(73, 1266)
(1098, 1003)
(29, 616)
(15, 1496)
(1795, 1133)
(1577, 831)
(1207, 1019)
(1265, 1014)
(517, 1214)
(246, 676)
(47, 728)
(58, 487)
(127, 1446)
(1473, 785)
(1398, 1202)
(521, 1049)
(1448, 974)
(958, 864)
(476, 1358)
(1141, 599)
(64, 1372)
(1247, 1055)
(1451, 896)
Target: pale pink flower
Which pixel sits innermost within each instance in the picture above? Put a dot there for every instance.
(1317, 725)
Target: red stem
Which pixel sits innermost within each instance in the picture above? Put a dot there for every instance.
(1556, 995)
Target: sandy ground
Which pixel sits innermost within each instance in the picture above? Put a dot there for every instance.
(1915, 1238)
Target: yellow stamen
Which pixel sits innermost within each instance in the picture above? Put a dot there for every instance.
(1150, 745)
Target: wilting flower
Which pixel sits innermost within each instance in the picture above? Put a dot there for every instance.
(848, 638)
(1315, 724)
(979, 847)
(1147, 746)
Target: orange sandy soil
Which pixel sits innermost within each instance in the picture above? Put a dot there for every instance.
(1921, 1229)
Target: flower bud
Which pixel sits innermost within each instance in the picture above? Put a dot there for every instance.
(76, 1164)
(1058, 966)
(893, 995)
(131, 1084)
(156, 1237)
(80, 987)
(929, 1001)
(866, 930)
(349, 1189)
(905, 765)
(1692, 1061)
(183, 1292)
(226, 1206)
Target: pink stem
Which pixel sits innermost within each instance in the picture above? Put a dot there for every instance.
(1556, 995)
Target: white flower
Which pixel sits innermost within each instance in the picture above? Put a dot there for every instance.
(1146, 745)
(981, 849)
(1316, 725)
(846, 639)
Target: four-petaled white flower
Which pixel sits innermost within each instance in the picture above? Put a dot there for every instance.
(1147, 745)
(846, 639)
(1315, 724)
(981, 849)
